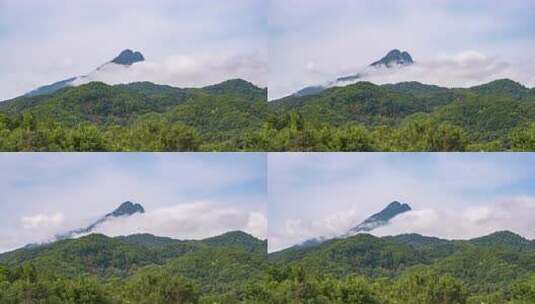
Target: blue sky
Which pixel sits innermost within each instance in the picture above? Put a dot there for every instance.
(455, 43)
(186, 42)
(185, 195)
(454, 195)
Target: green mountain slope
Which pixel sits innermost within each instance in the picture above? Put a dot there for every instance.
(486, 117)
(389, 104)
(363, 269)
(362, 102)
(235, 116)
(221, 109)
(104, 256)
(94, 254)
(502, 87)
(409, 116)
(504, 239)
(238, 240)
(134, 269)
(362, 254)
(486, 265)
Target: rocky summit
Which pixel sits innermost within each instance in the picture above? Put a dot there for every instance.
(128, 57)
(125, 58)
(382, 218)
(124, 210)
(394, 58)
(127, 208)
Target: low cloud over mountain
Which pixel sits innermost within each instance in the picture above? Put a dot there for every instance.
(461, 70)
(179, 70)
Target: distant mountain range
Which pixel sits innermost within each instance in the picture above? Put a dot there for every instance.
(126, 209)
(125, 59)
(393, 59)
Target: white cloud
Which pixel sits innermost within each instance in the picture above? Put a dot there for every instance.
(84, 187)
(42, 221)
(297, 230)
(340, 37)
(47, 41)
(515, 215)
(464, 69)
(185, 70)
(314, 195)
(188, 221)
(257, 225)
(470, 222)
(33, 229)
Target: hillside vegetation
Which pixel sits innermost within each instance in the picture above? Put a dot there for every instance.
(498, 268)
(235, 116)
(133, 269)
(235, 268)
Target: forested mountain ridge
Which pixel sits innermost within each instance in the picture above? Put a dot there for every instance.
(487, 269)
(230, 268)
(105, 268)
(235, 116)
(409, 116)
(104, 104)
(119, 254)
(371, 104)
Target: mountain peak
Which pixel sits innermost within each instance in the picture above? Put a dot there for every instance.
(392, 210)
(382, 217)
(504, 239)
(127, 208)
(394, 58)
(502, 87)
(128, 57)
(397, 205)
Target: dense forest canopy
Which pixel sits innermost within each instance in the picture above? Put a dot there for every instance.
(235, 116)
(235, 268)
(140, 268)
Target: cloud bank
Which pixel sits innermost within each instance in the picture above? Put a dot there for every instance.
(314, 42)
(185, 70)
(210, 40)
(461, 70)
(471, 222)
(195, 220)
(185, 195)
(453, 195)
(188, 220)
(41, 221)
(514, 215)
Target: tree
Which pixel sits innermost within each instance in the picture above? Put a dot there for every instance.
(523, 292)
(154, 286)
(424, 287)
(523, 139)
